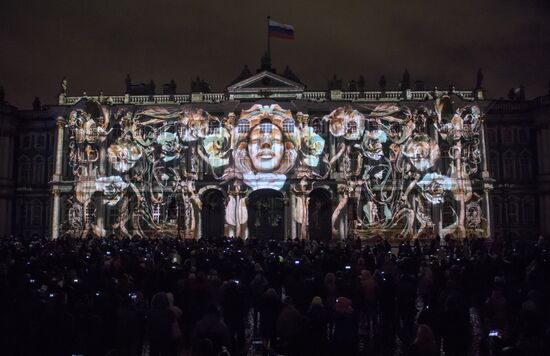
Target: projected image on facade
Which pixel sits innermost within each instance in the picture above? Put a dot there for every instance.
(375, 169)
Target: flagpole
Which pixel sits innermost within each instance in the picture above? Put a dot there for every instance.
(268, 40)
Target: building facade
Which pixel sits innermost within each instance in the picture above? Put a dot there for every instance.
(270, 159)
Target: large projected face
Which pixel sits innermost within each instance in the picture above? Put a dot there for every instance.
(265, 147)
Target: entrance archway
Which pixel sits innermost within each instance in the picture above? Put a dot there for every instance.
(320, 214)
(212, 213)
(266, 213)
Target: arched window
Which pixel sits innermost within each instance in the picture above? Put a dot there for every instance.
(41, 141)
(513, 210)
(20, 212)
(28, 214)
(317, 125)
(213, 127)
(91, 129)
(90, 213)
(492, 136)
(36, 213)
(243, 126)
(38, 170)
(507, 135)
(113, 215)
(523, 136)
(449, 212)
(49, 164)
(373, 125)
(24, 170)
(494, 164)
(266, 127)
(25, 141)
(497, 210)
(509, 165)
(117, 130)
(288, 125)
(156, 213)
(46, 214)
(525, 165)
(528, 210)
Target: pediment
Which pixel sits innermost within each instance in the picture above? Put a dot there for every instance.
(266, 82)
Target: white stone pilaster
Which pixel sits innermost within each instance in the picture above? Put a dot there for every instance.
(59, 149)
(292, 215)
(57, 176)
(56, 212)
(198, 233)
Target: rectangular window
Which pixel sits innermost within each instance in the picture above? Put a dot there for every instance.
(523, 136)
(26, 141)
(41, 142)
(36, 216)
(507, 136)
(492, 136)
(113, 216)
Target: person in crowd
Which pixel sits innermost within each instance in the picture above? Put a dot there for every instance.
(424, 344)
(316, 339)
(345, 336)
(290, 328)
(270, 307)
(163, 330)
(212, 327)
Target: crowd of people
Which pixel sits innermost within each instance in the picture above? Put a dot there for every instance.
(168, 297)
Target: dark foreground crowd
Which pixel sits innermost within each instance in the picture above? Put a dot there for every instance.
(233, 297)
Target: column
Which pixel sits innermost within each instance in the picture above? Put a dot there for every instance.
(342, 225)
(56, 213)
(198, 233)
(100, 217)
(60, 122)
(486, 210)
(484, 151)
(292, 214)
(487, 185)
(57, 177)
(102, 159)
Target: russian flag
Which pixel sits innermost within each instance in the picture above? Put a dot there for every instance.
(280, 30)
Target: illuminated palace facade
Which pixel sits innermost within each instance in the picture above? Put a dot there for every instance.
(269, 159)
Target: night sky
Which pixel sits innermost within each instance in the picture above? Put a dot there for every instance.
(95, 43)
